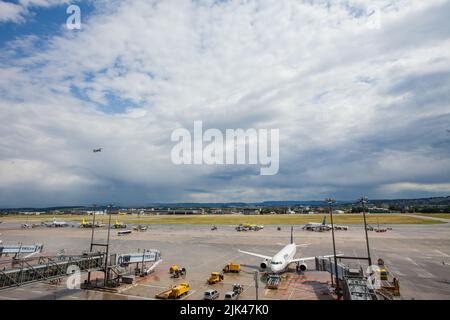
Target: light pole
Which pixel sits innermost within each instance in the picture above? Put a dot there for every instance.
(330, 202)
(107, 246)
(363, 200)
(94, 206)
(92, 238)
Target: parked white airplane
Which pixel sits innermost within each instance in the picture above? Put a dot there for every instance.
(280, 261)
(55, 224)
(315, 226)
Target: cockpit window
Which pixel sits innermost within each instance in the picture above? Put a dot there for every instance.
(275, 262)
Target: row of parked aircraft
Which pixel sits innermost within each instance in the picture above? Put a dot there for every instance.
(62, 224)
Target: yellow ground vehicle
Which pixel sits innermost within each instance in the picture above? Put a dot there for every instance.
(383, 274)
(84, 223)
(215, 277)
(382, 270)
(119, 225)
(175, 292)
(232, 267)
(391, 287)
(180, 271)
(174, 269)
(90, 224)
(388, 287)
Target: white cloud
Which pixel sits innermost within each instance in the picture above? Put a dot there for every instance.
(11, 12)
(409, 186)
(345, 97)
(18, 12)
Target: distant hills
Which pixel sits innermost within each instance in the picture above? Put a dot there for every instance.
(288, 203)
(432, 201)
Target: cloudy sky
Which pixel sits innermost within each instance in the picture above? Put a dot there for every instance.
(359, 89)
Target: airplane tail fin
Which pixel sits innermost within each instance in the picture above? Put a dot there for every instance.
(324, 220)
(292, 234)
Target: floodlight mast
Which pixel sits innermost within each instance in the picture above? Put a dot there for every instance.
(330, 202)
(363, 200)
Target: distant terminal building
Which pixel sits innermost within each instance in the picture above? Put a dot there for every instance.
(32, 213)
(251, 211)
(97, 212)
(179, 211)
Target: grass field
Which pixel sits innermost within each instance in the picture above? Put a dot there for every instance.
(237, 219)
(436, 215)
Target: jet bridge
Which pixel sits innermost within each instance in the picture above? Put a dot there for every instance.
(151, 255)
(352, 281)
(27, 271)
(20, 248)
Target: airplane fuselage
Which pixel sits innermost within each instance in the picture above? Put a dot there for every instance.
(283, 258)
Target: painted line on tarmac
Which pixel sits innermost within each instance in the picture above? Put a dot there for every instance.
(412, 261)
(37, 292)
(8, 298)
(396, 272)
(290, 295)
(422, 273)
(131, 296)
(151, 286)
(189, 294)
(442, 253)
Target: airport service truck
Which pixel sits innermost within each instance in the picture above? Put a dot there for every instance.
(175, 292)
(215, 277)
(232, 267)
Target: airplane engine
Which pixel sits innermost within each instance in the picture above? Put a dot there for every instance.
(302, 267)
(263, 265)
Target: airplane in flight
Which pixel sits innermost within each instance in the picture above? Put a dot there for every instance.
(282, 259)
(97, 150)
(319, 227)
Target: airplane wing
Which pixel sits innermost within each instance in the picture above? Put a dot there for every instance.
(297, 245)
(256, 255)
(302, 259)
(312, 258)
